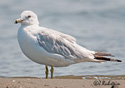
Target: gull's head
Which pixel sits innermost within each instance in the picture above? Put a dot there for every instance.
(27, 18)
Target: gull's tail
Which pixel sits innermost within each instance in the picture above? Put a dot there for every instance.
(100, 56)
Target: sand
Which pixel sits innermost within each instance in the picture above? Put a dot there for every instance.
(64, 82)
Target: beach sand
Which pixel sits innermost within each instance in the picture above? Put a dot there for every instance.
(64, 82)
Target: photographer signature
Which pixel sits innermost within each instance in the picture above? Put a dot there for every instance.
(105, 82)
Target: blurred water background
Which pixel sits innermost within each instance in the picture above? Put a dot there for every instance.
(96, 24)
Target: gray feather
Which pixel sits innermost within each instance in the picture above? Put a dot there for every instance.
(59, 43)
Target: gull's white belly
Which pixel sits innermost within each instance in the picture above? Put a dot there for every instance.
(30, 47)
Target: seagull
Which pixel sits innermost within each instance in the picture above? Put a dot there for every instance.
(52, 48)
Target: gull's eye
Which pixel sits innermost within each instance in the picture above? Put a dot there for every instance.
(29, 16)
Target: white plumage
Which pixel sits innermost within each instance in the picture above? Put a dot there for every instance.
(49, 47)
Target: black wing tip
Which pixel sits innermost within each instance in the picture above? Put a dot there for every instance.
(119, 60)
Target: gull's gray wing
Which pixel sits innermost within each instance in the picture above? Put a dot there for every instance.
(58, 43)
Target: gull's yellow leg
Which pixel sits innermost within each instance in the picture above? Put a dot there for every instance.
(52, 70)
(47, 72)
